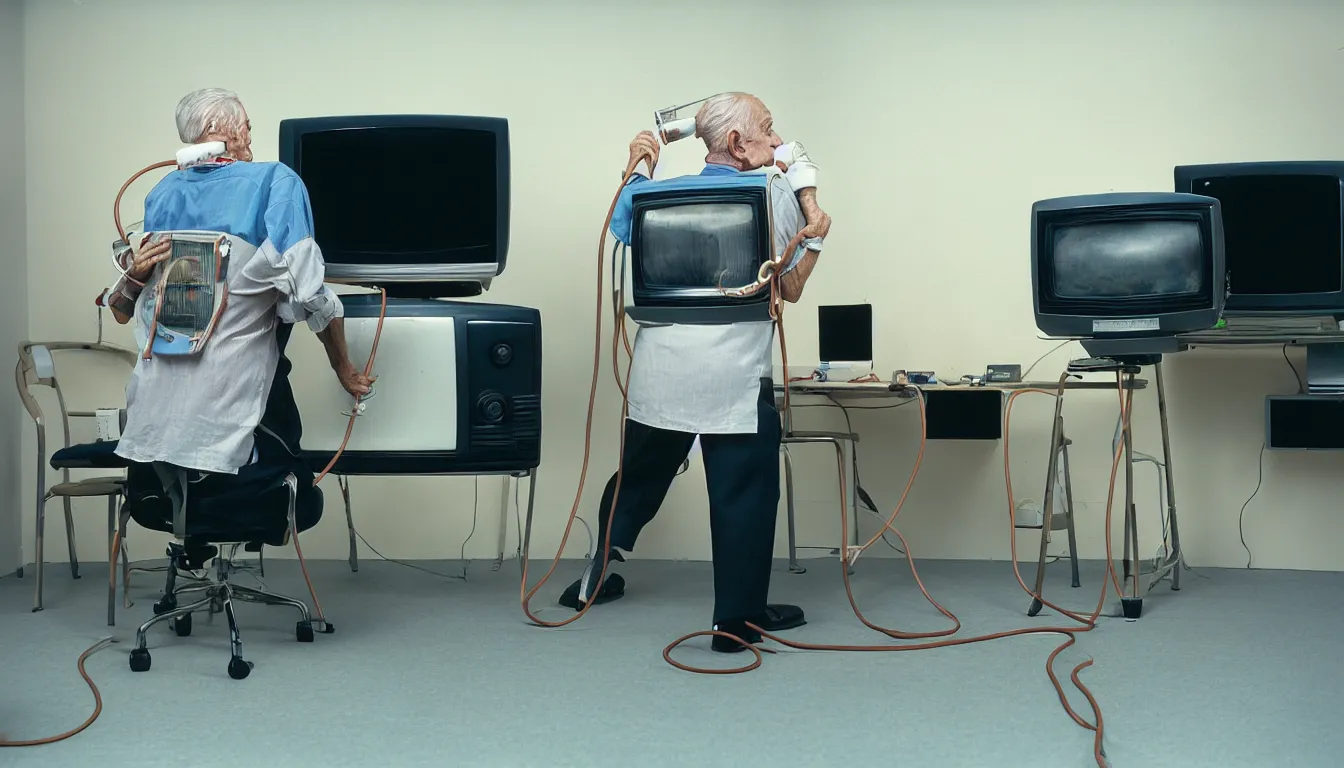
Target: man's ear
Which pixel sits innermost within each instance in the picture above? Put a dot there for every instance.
(735, 147)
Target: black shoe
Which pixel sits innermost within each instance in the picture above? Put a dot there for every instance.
(581, 591)
(777, 618)
(737, 627)
(780, 617)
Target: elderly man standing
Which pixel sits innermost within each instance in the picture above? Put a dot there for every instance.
(200, 412)
(715, 382)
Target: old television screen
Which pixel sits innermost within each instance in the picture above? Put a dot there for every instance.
(1283, 226)
(1153, 259)
(1141, 263)
(687, 245)
(422, 190)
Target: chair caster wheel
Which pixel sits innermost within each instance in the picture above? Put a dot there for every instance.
(165, 604)
(1035, 608)
(239, 669)
(182, 625)
(303, 631)
(140, 660)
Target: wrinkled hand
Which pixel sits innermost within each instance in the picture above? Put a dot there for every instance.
(818, 227)
(644, 147)
(147, 257)
(354, 381)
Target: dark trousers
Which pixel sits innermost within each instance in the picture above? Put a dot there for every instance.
(742, 476)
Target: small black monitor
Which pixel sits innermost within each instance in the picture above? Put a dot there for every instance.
(845, 333)
(405, 198)
(1283, 231)
(1127, 265)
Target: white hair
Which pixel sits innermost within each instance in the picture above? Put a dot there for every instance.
(721, 115)
(206, 111)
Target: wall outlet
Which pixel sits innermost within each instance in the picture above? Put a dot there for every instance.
(1028, 514)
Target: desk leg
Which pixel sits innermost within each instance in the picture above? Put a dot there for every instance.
(509, 480)
(1068, 508)
(344, 484)
(794, 567)
(854, 484)
(1131, 606)
(531, 506)
(1048, 505)
(1177, 559)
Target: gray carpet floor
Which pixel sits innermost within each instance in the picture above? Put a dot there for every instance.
(1239, 668)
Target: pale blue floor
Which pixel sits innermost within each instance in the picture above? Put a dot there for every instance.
(1240, 668)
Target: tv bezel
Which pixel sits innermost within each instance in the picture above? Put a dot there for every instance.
(1295, 304)
(1077, 325)
(292, 133)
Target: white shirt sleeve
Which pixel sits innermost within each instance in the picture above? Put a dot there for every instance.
(298, 274)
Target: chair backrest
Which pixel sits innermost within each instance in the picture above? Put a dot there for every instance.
(37, 367)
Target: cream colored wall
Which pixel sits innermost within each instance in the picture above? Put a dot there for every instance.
(935, 128)
(14, 263)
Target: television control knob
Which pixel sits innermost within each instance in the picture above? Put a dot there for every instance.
(491, 408)
(501, 354)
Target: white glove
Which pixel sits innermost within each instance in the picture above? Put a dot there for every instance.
(797, 166)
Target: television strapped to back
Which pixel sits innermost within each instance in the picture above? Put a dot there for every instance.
(418, 205)
(692, 236)
(1283, 225)
(1126, 272)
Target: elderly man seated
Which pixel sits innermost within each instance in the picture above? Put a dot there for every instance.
(715, 382)
(200, 412)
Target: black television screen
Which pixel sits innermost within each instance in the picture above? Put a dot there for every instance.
(1283, 225)
(427, 195)
(405, 198)
(1282, 232)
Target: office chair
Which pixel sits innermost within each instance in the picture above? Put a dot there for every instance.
(268, 503)
(37, 367)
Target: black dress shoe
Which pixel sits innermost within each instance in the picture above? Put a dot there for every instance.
(737, 627)
(582, 591)
(780, 617)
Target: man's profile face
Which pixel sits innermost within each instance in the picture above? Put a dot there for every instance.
(240, 145)
(758, 147)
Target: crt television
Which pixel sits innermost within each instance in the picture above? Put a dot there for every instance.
(417, 204)
(458, 390)
(1283, 228)
(1127, 265)
(692, 236)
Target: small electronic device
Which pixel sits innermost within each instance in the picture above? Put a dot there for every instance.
(417, 204)
(691, 238)
(1003, 374)
(1283, 232)
(458, 390)
(677, 123)
(1135, 268)
(845, 338)
(199, 154)
(183, 304)
(913, 377)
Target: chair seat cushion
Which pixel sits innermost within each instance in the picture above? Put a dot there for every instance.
(93, 486)
(251, 506)
(89, 456)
